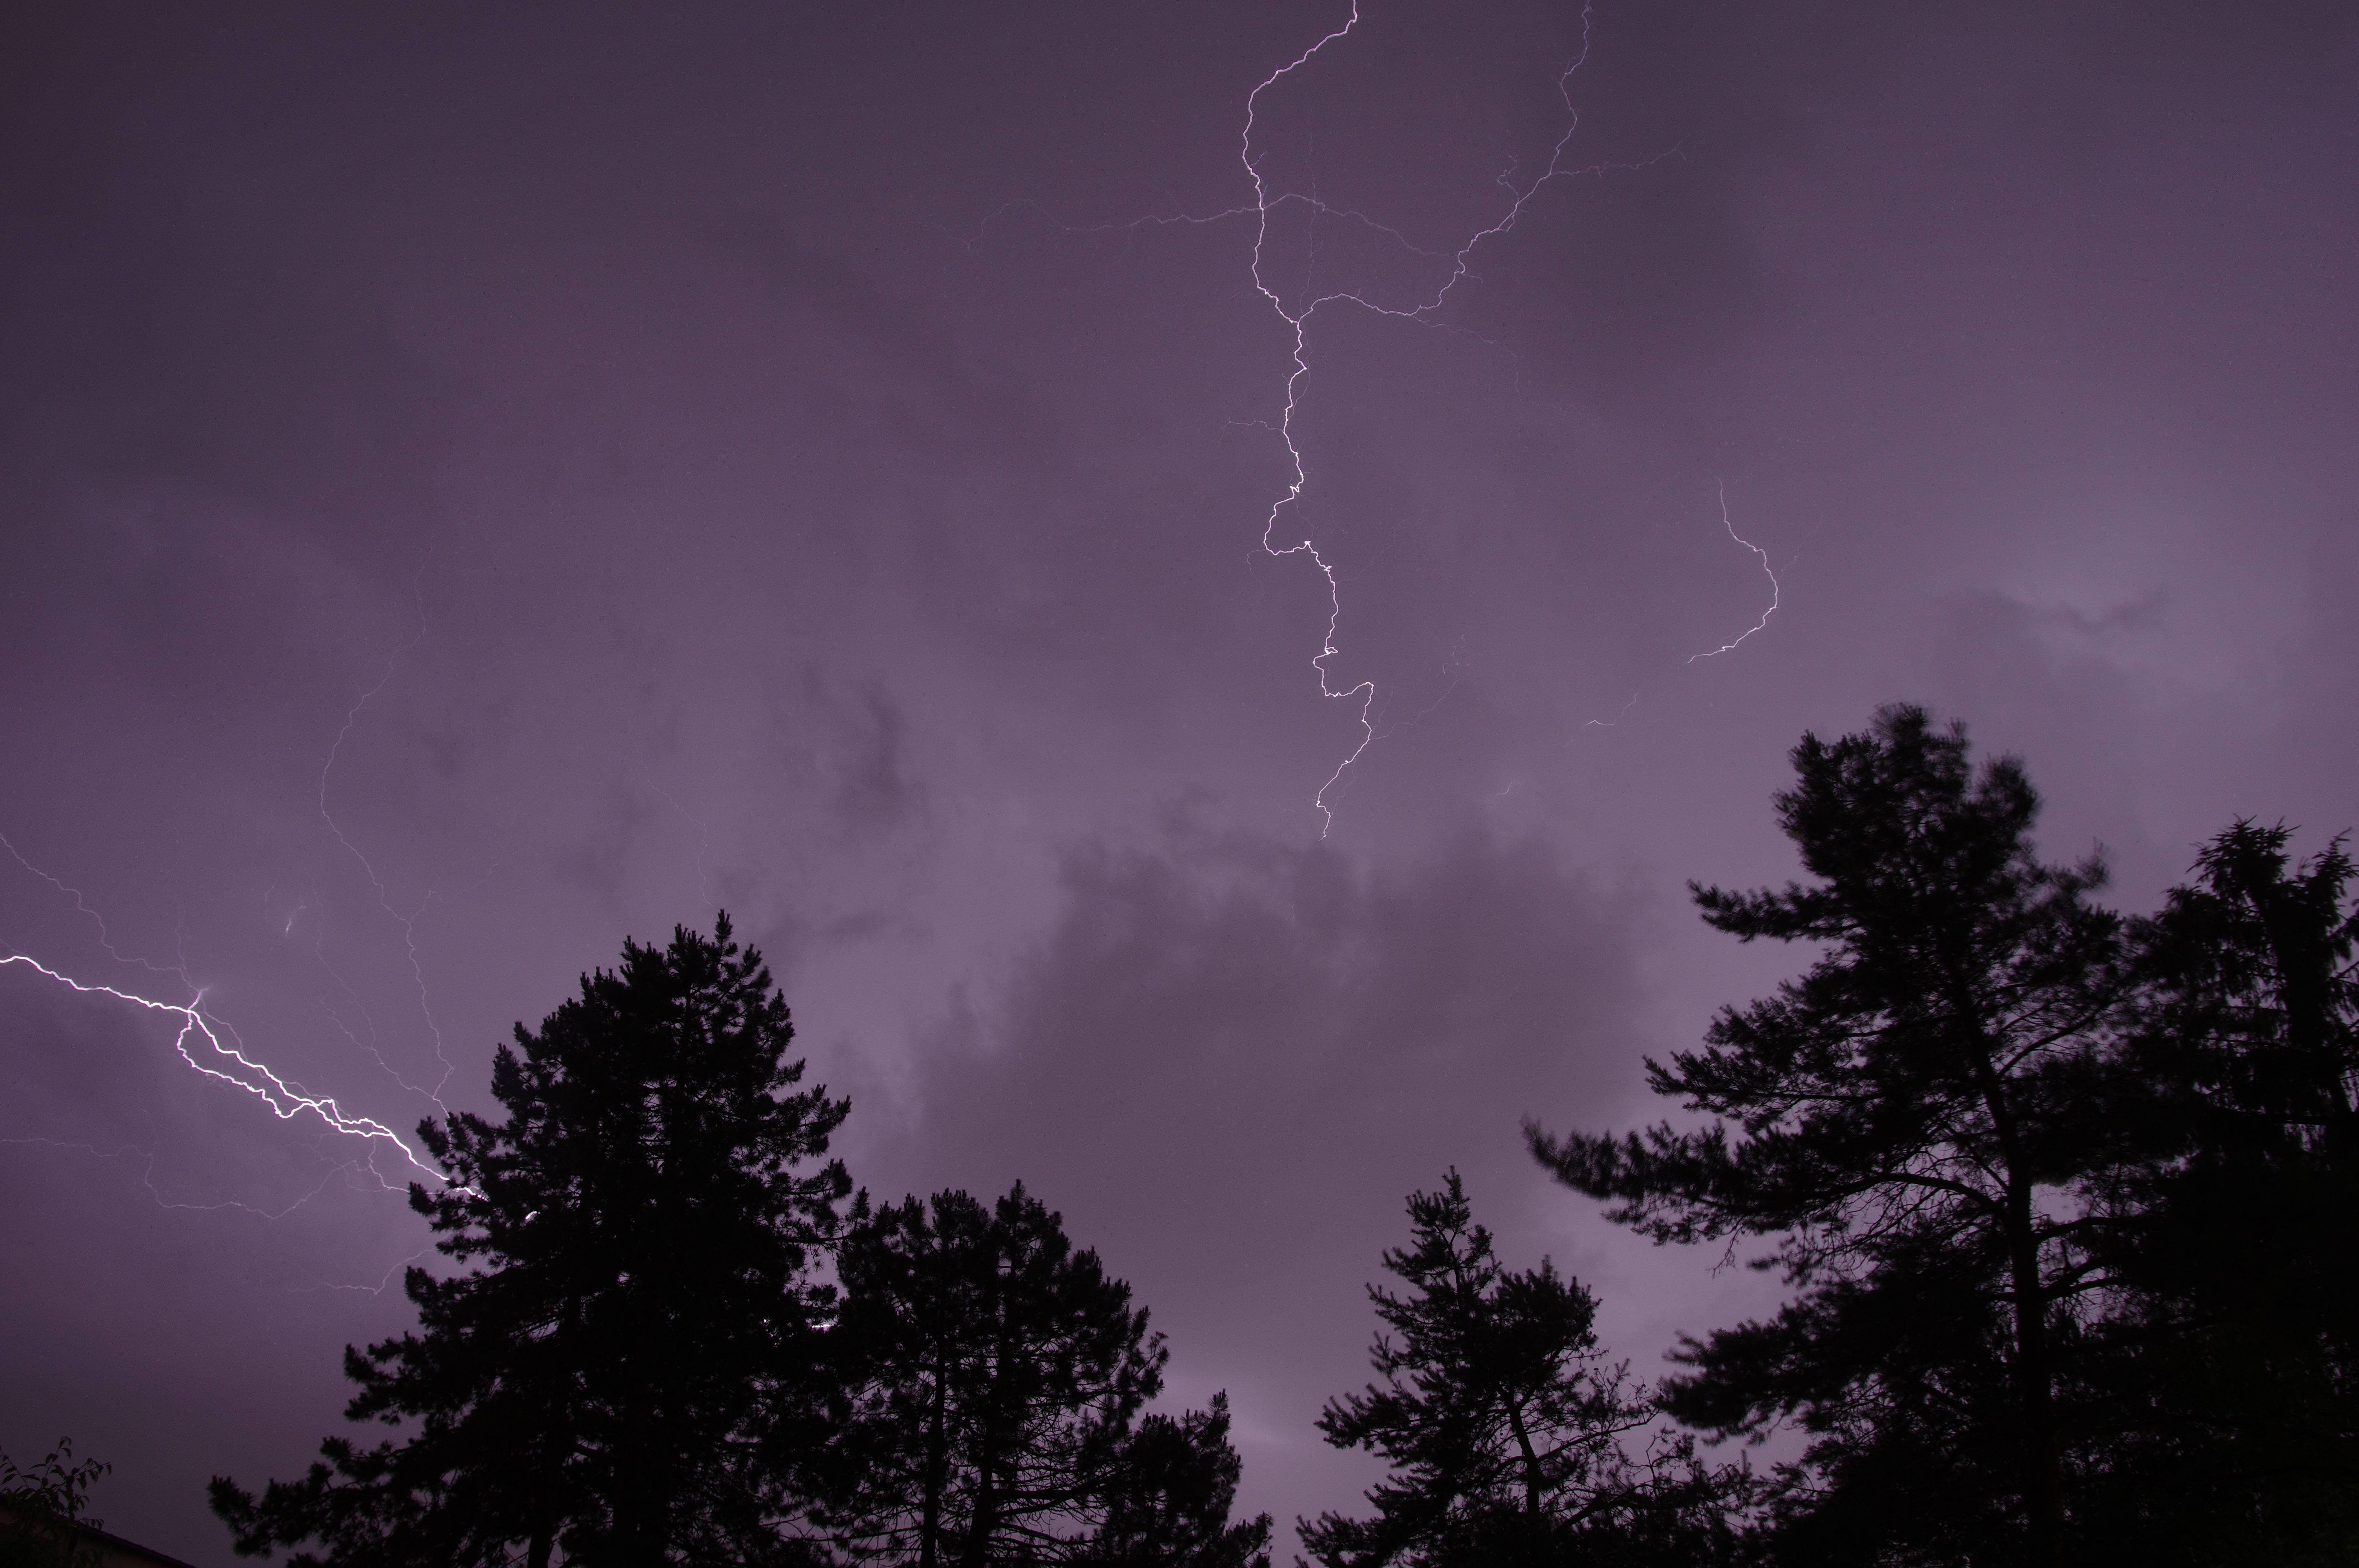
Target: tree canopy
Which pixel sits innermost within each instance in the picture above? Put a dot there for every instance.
(1911, 1121)
(2233, 1365)
(2056, 1197)
(996, 1377)
(2051, 1189)
(44, 1507)
(636, 1313)
(1506, 1430)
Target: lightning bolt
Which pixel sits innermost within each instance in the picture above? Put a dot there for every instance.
(286, 1101)
(1765, 567)
(210, 1046)
(1297, 322)
(1277, 539)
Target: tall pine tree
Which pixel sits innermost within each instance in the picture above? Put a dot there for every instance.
(2235, 1342)
(1506, 1430)
(1911, 1126)
(633, 1322)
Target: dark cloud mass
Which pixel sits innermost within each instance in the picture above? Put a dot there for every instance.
(1229, 1056)
(481, 483)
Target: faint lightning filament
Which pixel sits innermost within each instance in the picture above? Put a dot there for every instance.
(1765, 567)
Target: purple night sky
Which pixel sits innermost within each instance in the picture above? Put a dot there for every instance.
(483, 482)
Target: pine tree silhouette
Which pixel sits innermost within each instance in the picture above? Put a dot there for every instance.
(1507, 1434)
(997, 1378)
(1914, 1129)
(635, 1324)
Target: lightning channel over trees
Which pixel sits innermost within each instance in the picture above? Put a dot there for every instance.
(642, 1360)
(2049, 1189)
(643, 1308)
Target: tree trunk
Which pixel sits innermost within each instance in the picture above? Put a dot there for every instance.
(2042, 1458)
(1531, 1461)
(929, 1524)
(984, 1521)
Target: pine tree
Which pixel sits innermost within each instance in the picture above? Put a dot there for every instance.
(997, 1379)
(1914, 1130)
(1503, 1428)
(635, 1324)
(1166, 1502)
(2236, 1342)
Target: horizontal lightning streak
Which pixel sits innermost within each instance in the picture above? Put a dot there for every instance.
(286, 1101)
(212, 1047)
(378, 1289)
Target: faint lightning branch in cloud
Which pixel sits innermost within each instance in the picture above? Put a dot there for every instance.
(1454, 670)
(1130, 227)
(227, 1061)
(1615, 722)
(106, 938)
(148, 1177)
(1769, 570)
(705, 836)
(408, 923)
(378, 1289)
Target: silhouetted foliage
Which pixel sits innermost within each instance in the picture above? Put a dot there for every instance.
(2060, 1200)
(1167, 1500)
(1915, 1130)
(996, 1379)
(1505, 1429)
(611, 1377)
(2236, 1342)
(41, 1503)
